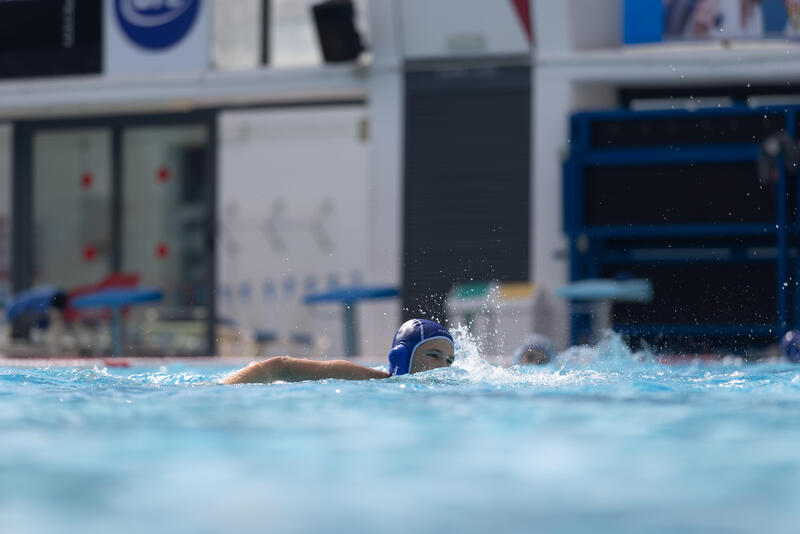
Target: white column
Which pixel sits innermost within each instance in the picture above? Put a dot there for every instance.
(552, 102)
(551, 27)
(378, 320)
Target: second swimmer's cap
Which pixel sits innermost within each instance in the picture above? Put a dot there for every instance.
(536, 343)
(409, 336)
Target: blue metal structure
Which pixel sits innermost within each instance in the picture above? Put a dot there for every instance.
(594, 247)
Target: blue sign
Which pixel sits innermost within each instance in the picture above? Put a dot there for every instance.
(156, 24)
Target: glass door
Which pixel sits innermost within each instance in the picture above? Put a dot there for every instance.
(165, 223)
(71, 207)
(96, 198)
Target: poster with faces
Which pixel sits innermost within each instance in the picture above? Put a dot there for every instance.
(731, 19)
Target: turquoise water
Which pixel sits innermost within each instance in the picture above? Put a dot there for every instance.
(601, 441)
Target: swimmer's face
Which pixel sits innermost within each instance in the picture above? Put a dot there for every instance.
(533, 357)
(432, 354)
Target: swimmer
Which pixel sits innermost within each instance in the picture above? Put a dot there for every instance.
(537, 350)
(790, 345)
(419, 345)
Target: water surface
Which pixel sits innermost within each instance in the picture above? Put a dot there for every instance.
(601, 441)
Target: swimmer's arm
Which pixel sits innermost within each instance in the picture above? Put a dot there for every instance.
(290, 369)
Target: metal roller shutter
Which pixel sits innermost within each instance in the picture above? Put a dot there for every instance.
(467, 182)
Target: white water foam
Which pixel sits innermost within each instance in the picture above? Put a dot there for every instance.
(578, 365)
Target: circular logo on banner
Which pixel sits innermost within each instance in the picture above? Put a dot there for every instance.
(156, 24)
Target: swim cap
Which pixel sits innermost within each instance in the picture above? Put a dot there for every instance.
(790, 346)
(535, 342)
(409, 336)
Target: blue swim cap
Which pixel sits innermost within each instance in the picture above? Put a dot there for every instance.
(790, 346)
(409, 336)
(536, 342)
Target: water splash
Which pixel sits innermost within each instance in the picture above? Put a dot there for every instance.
(611, 351)
(65, 377)
(579, 365)
(609, 363)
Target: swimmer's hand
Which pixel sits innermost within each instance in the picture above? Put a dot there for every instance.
(290, 369)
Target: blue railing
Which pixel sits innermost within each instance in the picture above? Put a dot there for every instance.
(594, 247)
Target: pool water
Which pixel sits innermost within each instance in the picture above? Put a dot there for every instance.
(601, 441)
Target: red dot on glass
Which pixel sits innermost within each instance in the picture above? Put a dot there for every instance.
(89, 253)
(162, 250)
(87, 180)
(163, 174)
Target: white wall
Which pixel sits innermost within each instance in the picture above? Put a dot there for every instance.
(571, 25)
(595, 24)
(447, 28)
(551, 98)
(386, 120)
(293, 34)
(293, 196)
(236, 34)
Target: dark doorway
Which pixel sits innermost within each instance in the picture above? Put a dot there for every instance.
(467, 182)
